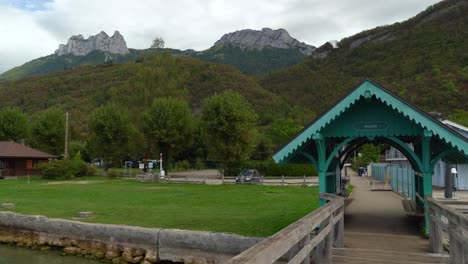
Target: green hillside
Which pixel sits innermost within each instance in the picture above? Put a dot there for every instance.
(252, 61)
(82, 89)
(424, 60)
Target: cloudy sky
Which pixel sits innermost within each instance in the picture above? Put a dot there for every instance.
(30, 29)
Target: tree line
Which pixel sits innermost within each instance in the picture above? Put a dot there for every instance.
(225, 130)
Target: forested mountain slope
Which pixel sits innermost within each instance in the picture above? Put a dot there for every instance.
(424, 60)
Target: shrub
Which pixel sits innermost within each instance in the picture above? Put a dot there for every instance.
(63, 169)
(180, 165)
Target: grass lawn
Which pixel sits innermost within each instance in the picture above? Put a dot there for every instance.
(250, 210)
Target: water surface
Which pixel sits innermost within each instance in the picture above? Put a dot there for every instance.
(16, 255)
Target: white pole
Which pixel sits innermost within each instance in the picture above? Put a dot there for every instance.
(160, 164)
(65, 155)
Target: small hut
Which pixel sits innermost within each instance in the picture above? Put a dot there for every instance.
(20, 160)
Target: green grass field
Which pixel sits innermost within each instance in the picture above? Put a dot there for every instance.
(251, 210)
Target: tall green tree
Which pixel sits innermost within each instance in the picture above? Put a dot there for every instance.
(14, 124)
(281, 130)
(48, 131)
(368, 153)
(169, 125)
(160, 75)
(229, 122)
(111, 134)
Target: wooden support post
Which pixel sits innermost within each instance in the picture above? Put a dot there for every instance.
(458, 254)
(222, 178)
(304, 181)
(325, 247)
(338, 241)
(435, 233)
(305, 242)
(282, 180)
(186, 178)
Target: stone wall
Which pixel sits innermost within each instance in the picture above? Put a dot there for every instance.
(120, 243)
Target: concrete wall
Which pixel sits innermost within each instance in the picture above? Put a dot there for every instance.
(121, 241)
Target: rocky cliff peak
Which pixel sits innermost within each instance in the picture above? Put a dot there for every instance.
(266, 37)
(79, 46)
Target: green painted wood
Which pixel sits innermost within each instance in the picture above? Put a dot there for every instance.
(375, 93)
(371, 112)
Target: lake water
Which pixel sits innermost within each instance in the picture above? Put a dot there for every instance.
(15, 255)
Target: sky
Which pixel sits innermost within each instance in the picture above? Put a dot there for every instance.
(31, 29)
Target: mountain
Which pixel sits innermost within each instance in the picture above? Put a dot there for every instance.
(423, 59)
(257, 52)
(256, 39)
(79, 46)
(252, 52)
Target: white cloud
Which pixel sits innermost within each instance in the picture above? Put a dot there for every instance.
(22, 39)
(184, 24)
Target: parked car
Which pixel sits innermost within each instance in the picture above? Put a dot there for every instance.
(248, 176)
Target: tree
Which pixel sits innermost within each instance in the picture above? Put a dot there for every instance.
(368, 153)
(112, 132)
(281, 130)
(229, 124)
(158, 43)
(48, 131)
(169, 124)
(160, 75)
(14, 124)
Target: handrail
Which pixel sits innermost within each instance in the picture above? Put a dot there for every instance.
(320, 230)
(443, 217)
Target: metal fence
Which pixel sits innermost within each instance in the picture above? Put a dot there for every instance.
(401, 179)
(402, 182)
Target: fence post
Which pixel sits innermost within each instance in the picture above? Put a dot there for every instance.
(339, 230)
(204, 179)
(282, 180)
(304, 181)
(186, 180)
(435, 232)
(222, 178)
(324, 248)
(306, 241)
(456, 246)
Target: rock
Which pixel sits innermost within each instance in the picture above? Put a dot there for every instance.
(85, 215)
(151, 257)
(110, 255)
(79, 46)
(137, 259)
(8, 205)
(267, 37)
(139, 252)
(127, 257)
(99, 254)
(146, 262)
(71, 250)
(116, 261)
(44, 248)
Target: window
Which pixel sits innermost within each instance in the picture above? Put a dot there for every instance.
(29, 164)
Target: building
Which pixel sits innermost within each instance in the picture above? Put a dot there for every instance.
(20, 160)
(460, 182)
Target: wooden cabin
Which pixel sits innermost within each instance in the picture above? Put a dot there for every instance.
(20, 160)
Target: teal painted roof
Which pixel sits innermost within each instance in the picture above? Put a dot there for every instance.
(369, 89)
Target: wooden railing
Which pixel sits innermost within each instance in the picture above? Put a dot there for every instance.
(442, 219)
(308, 240)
